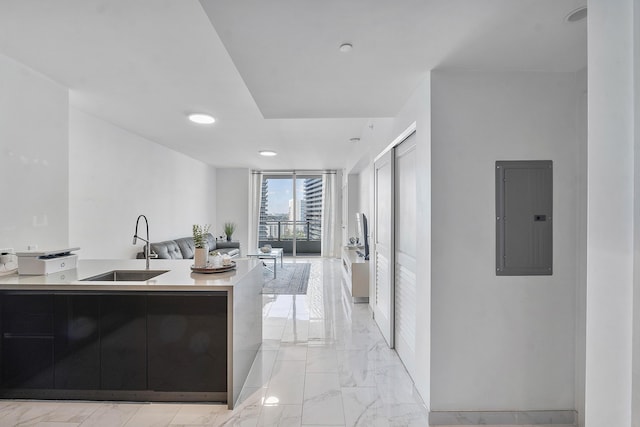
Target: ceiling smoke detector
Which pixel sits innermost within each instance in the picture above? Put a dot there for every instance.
(346, 47)
(267, 153)
(577, 15)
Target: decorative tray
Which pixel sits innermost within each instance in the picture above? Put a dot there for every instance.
(211, 269)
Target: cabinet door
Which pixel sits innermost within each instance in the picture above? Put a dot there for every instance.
(77, 339)
(27, 341)
(123, 342)
(187, 342)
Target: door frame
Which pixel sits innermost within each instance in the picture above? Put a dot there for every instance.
(406, 349)
(383, 314)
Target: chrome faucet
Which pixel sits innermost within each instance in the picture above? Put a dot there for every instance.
(147, 244)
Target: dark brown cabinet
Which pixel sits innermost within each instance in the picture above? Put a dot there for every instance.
(77, 342)
(187, 343)
(27, 341)
(123, 343)
(108, 345)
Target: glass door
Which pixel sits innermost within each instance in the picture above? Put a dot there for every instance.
(291, 213)
(309, 223)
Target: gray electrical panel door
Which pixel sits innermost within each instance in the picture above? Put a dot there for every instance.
(524, 231)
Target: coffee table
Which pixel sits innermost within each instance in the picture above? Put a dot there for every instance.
(274, 255)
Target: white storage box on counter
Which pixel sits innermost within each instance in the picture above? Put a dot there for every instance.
(46, 262)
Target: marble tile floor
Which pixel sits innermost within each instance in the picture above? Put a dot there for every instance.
(323, 362)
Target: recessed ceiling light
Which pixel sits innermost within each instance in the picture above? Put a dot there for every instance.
(201, 118)
(346, 47)
(354, 139)
(267, 153)
(577, 15)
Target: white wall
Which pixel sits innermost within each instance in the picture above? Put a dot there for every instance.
(500, 343)
(233, 194)
(33, 159)
(353, 204)
(635, 397)
(375, 136)
(581, 230)
(114, 176)
(581, 267)
(365, 205)
(416, 109)
(611, 227)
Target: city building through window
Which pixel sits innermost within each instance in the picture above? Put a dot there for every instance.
(291, 213)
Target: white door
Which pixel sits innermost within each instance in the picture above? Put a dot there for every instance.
(383, 245)
(405, 252)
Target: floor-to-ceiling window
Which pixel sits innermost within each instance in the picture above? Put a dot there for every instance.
(291, 212)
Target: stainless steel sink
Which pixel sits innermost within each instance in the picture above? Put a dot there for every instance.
(125, 276)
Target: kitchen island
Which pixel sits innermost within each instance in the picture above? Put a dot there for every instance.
(178, 336)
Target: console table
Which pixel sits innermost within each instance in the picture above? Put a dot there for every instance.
(355, 270)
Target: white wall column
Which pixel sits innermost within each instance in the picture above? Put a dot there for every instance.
(635, 395)
(610, 228)
(501, 342)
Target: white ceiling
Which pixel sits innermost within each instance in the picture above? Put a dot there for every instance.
(270, 71)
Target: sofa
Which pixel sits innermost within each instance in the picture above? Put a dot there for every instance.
(184, 248)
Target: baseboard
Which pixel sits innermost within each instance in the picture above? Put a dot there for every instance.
(506, 418)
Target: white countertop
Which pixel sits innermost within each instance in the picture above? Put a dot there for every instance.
(179, 277)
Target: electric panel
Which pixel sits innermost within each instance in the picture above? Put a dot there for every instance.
(524, 218)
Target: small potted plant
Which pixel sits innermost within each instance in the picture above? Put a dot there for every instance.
(200, 242)
(229, 228)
